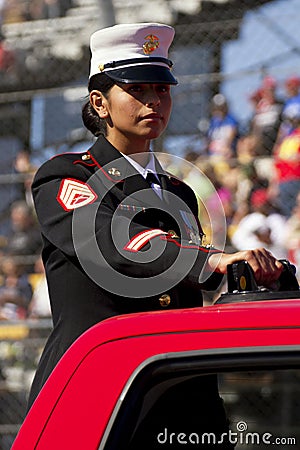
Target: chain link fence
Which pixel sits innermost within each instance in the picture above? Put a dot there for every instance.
(21, 344)
(232, 58)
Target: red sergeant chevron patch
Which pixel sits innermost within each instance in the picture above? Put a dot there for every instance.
(74, 194)
(141, 239)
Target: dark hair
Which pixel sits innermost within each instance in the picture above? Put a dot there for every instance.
(100, 82)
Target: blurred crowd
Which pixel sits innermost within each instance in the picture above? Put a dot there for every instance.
(17, 11)
(23, 286)
(255, 175)
(14, 11)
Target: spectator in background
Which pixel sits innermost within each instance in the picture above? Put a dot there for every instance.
(59, 7)
(254, 99)
(14, 11)
(34, 10)
(22, 163)
(39, 306)
(15, 291)
(223, 129)
(292, 235)
(292, 89)
(259, 169)
(2, 9)
(246, 148)
(7, 57)
(262, 227)
(47, 9)
(23, 166)
(22, 172)
(24, 238)
(51, 9)
(267, 116)
(286, 182)
(203, 179)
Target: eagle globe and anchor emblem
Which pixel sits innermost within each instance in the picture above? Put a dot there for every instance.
(151, 44)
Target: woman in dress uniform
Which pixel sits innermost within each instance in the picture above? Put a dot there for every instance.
(120, 234)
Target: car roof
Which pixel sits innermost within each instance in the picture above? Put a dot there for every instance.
(269, 313)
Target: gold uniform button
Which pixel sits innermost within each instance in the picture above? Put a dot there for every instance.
(85, 157)
(165, 300)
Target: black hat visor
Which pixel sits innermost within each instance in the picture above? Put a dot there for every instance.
(148, 73)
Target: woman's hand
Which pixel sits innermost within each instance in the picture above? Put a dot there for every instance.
(265, 266)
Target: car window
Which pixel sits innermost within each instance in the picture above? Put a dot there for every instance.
(262, 405)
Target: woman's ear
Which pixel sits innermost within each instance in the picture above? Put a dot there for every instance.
(98, 102)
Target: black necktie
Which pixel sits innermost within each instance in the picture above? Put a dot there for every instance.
(152, 179)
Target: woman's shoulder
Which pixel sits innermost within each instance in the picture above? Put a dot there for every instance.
(67, 158)
(66, 164)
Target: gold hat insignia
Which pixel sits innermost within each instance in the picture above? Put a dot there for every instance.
(151, 44)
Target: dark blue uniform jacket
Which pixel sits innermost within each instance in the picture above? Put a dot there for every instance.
(112, 245)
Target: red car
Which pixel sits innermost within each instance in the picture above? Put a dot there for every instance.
(253, 346)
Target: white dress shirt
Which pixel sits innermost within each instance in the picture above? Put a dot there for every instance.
(150, 167)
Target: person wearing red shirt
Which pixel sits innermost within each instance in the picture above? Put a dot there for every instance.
(287, 164)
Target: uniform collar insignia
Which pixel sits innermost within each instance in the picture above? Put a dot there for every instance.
(114, 172)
